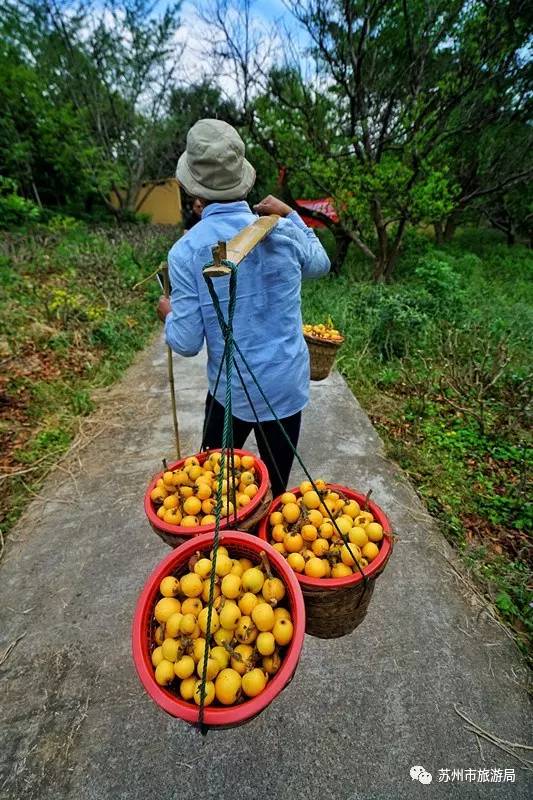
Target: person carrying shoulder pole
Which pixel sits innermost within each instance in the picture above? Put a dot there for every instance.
(268, 322)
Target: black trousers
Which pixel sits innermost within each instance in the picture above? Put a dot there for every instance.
(282, 456)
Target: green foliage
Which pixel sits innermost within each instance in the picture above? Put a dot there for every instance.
(395, 152)
(70, 322)
(83, 91)
(441, 360)
(51, 442)
(61, 223)
(441, 284)
(45, 143)
(432, 198)
(397, 321)
(15, 210)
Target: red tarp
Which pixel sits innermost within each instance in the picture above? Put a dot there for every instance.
(323, 206)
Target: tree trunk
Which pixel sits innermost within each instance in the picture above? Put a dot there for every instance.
(439, 232)
(451, 226)
(342, 243)
(505, 225)
(141, 196)
(378, 273)
(390, 264)
(394, 250)
(36, 193)
(380, 261)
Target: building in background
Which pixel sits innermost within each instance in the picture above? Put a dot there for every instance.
(161, 200)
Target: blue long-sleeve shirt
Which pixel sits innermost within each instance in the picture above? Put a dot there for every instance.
(267, 323)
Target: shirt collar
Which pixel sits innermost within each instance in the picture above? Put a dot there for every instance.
(226, 208)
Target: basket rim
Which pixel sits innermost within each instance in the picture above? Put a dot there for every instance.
(216, 715)
(375, 566)
(243, 513)
(323, 342)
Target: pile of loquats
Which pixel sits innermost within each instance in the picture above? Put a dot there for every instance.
(187, 496)
(250, 627)
(326, 332)
(303, 531)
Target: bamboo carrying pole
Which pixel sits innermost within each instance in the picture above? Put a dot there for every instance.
(166, 289)
(240, 246)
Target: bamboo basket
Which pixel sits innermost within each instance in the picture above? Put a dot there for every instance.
(247, 519)
(337, 606)
(322, 353)
(334, 614)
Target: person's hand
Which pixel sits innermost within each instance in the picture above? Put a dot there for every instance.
(163, 308)
(272, 205)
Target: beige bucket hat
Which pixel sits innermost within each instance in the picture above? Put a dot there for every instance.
(213, 166)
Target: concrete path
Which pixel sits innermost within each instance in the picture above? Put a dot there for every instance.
(361, 710)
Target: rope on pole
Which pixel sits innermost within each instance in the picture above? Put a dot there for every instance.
(227, 331)
(227, 453)
(226, 462)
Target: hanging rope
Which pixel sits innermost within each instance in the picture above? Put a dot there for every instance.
(235, 346)
(298, 458)
(227, 459)
(212, 401)
(258, 423)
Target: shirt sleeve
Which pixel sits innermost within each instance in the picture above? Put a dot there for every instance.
(315, 259)
(184, 326)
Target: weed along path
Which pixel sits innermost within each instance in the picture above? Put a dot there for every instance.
(361, 710)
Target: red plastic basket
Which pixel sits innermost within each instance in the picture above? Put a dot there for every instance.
(245, 546)
(174, 535)
(336, 606)
(375, 566)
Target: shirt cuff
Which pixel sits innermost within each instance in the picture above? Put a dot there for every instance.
(296, 218)
(168, 320)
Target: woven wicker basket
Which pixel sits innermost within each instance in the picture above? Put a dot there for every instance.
(322, 354)
(247, 517)
(336, 606)
(333, 614)
(247, 525)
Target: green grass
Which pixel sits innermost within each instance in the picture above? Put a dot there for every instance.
(416, 354)
(440, 359)
(71, 323)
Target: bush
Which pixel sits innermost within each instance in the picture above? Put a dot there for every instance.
(15, 211)
(398, 320)
(415, 247)
(437, 278)
(442, 360)
(466, 265)
(61, 223)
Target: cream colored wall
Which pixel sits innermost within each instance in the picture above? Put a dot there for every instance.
(163, 203)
